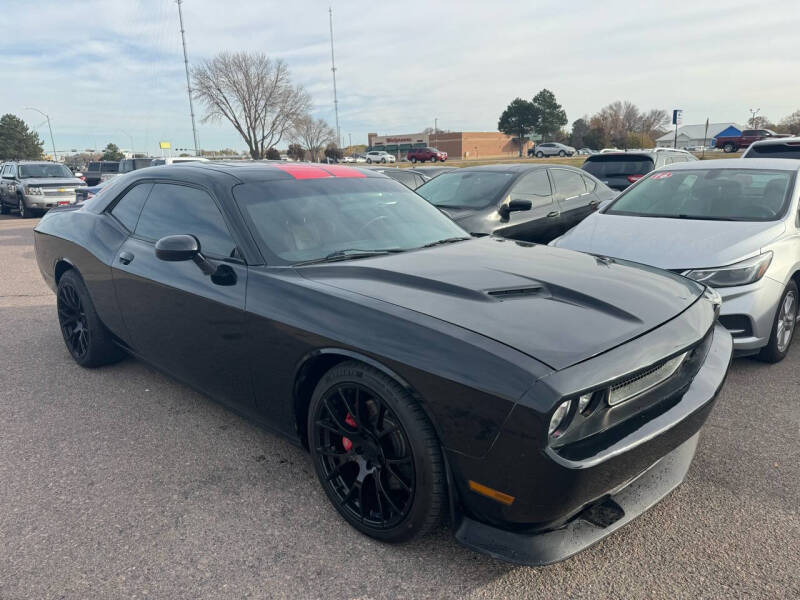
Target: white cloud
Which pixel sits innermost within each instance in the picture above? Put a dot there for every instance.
(399, 65)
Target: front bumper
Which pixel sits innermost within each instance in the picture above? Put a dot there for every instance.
(45, 201)
(556, 499)
(749, 312)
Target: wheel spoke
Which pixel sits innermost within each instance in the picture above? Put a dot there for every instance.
(334, 416)
(353, 413)
(328, 452)
(391, 429)
(398, 478)
(335, 471)
(332, 427)
(387, 496)
(375, 478)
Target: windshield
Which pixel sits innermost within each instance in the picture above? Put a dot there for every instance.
(773, 150)
(619, 165)
(709, 194)
(465, 189)
(44, 171)
(305, 220)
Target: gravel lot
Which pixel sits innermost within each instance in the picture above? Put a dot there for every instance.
(120, 483)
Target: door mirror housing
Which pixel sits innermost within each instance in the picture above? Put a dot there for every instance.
(177, 248)
(513, 205)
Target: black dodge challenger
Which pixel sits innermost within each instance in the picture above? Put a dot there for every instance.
(535, 398)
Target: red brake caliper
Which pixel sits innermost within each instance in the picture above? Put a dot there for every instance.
(348, 445)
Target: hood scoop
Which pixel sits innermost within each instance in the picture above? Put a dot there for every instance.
(518, 292)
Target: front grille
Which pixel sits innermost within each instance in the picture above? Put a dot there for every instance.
(644, 380)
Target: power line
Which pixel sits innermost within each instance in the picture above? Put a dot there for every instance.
(188, 81)
(333, 70)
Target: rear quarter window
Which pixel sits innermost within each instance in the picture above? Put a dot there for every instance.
(618, 165)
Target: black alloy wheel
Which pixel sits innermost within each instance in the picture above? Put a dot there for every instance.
(375, 453)
(87, 339)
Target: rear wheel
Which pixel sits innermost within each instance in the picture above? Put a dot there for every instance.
(783, 327)
(369, 161)
(561, 153)
(383, 160)
(376, 454)
(540, 154)
(87, 339)
(728, 148)
(413, 159)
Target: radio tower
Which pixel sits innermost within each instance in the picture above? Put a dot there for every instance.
(188, 81)
(333, 70)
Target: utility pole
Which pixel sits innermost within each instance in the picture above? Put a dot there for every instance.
(52, 141)
(333, 70)
(188, 81)
(753, 113)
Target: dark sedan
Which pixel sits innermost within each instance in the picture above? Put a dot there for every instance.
(534, 203)
(411, 178)
(535, 398)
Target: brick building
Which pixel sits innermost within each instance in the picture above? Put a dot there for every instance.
(470, 145)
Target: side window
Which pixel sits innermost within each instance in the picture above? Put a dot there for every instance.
(174, 209)
(534, 186)
(127, 208)
(568, 183)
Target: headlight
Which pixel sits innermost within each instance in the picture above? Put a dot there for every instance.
(741, 273)
(31, 189)
(559, 416)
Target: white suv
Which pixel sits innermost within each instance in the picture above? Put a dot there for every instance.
(379, 156)
(788, 147)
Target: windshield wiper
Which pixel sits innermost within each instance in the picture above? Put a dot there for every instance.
(445, 241)
(348, 253)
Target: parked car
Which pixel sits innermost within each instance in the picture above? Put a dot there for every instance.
(586, 152)
(411, 178)
(379, 156)
(535, 203)
(171, 160)
(33, 187)
(426, 155)
(618, 170)
(732, 143)
(82, 194)
(495, 384)
(431, 172)
(100, 170)
(550, 149)
(788, 147)
(126, 165)
(731, 224)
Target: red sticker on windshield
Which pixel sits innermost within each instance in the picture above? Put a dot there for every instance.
(662, 175)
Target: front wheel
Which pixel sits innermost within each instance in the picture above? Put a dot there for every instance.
(540, 154)
(3, 208)
(383, 160)
(782, 327)
(413, 160)
(87, 339)
(376, 454)
(562, 154)
(24, 212)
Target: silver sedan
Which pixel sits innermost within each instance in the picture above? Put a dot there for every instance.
(731, 224)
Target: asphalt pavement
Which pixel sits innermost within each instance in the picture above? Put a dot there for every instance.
(121, 483)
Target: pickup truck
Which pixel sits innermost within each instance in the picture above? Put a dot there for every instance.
(731, 143)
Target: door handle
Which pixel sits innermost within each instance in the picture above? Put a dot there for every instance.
(125, 258)
(553, 214)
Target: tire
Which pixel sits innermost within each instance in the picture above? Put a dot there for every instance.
(540, 154)
(728, 148)
(413, 160)
(4, 210)
(369, 161)
(376, 454)
(785, 319)
(561, 153)
(85, 336)
(24, 211)
(383, 161)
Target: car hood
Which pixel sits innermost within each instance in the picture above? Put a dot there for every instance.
(675, 244)
(557, 306)
(52, 181)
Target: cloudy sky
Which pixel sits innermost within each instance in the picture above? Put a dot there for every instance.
(112, 70)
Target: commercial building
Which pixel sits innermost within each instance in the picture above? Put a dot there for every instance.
(695, 135)
(469, 145)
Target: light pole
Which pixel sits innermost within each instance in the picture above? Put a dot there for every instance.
(753, 114)
(52, 140)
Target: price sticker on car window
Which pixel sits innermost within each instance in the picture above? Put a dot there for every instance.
(664, 175)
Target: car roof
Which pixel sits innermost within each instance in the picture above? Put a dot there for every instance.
(515, 168)
(246, 171)
(783, 140)
(779, 164)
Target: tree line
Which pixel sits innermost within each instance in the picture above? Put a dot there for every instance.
(619, 124)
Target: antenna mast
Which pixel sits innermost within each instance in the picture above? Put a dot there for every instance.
(188, 81)
(333, 70)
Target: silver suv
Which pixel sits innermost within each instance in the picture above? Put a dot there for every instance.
(551, 149)
(36, 186)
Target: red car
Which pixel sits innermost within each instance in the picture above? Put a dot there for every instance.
(734, 142)
(425, 154)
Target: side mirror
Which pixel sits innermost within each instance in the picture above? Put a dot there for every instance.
(514, 204)
(177, 248)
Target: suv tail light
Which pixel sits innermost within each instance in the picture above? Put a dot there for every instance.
(634, 178)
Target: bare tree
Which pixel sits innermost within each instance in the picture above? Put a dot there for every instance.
(254, 93)
(313, 134)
